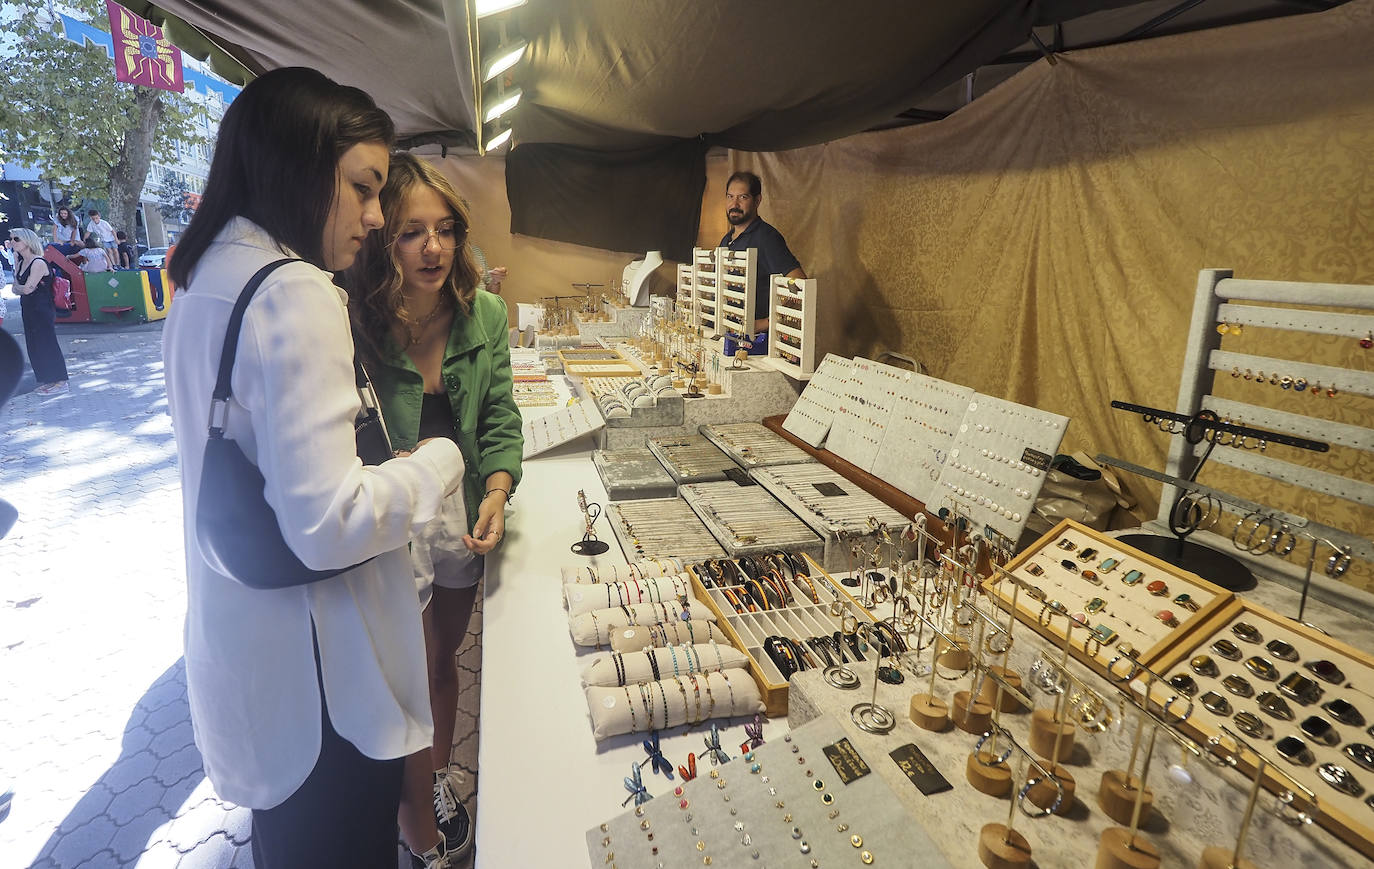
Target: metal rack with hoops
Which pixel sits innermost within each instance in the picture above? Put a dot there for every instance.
(706, 283)
(1226, 306)
(792, 325)
(737, 268)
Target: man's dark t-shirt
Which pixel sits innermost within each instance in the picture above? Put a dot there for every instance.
(775, 258)
(128, 255)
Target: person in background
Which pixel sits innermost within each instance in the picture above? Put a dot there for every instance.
(93, 257)
(437, 349)
(304, 700)
(105, 234)
(128, 255)
(66, 232)
(6, 261)
(743, 193)
(491, 278)
(33, 282)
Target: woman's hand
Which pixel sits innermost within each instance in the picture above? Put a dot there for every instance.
(491, 524)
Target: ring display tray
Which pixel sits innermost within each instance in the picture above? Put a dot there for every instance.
(1314, 677)
(801, 619)
(920, 434)
(826, 501)
(633, 473)
(812, 417)
(692, 458)
(753, 446)
(747, 520)
(661, 528)
(736, 815)
(1120, 592)
(997, 463)
(863, 411)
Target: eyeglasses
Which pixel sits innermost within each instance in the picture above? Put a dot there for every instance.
(448, 234)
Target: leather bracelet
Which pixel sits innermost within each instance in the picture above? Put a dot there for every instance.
(496, 489)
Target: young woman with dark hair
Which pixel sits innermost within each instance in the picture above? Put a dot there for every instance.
(438, 350)
(66, 231)
(304, 700)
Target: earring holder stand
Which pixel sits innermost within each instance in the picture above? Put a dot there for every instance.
(928, 711)
(801, 293)
(706, 282)
(999, 845)
(1229, 858)
(1116, 797)
(872, 717)
(736, 296)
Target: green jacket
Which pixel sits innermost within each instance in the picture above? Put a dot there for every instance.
(477, 375)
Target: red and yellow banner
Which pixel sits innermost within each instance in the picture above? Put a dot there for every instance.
(142, 55)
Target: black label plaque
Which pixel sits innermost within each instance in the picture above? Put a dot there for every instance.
(1036, 459)
(846, 761)
(828, 489)
(920, 770)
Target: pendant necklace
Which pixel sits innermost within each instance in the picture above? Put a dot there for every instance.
(415, 330)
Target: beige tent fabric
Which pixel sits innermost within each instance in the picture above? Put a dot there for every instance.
(1043, 244)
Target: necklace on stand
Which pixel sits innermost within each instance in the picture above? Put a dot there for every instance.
(415, 330)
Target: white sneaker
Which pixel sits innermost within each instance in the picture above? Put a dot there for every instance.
(435, 858)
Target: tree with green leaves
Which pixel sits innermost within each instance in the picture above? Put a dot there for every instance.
(172, 200)
(65, 115)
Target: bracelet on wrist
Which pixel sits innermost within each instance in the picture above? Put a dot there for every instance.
(495, 489)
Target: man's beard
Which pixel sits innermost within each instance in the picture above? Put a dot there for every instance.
(736, 217)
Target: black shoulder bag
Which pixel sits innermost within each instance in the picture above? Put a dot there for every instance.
(236, 528)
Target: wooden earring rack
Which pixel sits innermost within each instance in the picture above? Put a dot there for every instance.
(706, 285)
(686, 291)
(737, 268)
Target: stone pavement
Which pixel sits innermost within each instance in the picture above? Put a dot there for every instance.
(95, 733)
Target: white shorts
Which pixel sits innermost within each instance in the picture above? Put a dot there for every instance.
(438, 555)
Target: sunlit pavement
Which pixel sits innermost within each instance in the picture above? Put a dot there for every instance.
(95, 736)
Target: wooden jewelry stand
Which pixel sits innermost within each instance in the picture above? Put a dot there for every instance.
(706, 284)
(999, 845)
(736, 296)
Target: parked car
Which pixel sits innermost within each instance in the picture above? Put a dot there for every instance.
(155, 258)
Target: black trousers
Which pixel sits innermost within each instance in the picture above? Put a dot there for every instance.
(344, 815)
(40, 336)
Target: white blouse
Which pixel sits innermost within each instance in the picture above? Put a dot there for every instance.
(250, 663)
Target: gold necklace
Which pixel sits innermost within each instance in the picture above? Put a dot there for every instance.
(415, 329)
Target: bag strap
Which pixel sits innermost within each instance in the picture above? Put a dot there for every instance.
(231, 344)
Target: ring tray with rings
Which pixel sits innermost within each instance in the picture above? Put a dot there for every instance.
(1126, 604)
(1303, 700)
(800, 619)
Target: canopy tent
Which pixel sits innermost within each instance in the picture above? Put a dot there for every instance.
(650, 86)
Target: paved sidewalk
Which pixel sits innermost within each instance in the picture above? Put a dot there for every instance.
(95, 733)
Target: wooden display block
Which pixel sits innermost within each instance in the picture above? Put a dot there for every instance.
(744, 629)
(1347, 817)
(1124, 599)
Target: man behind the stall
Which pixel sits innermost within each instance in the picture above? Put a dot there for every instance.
(743, 193)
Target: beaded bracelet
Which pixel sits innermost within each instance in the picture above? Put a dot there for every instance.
(653, 664)
(726, 676)
(634, 724)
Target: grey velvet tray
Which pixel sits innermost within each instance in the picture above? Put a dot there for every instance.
(633, 473)
(741, 813)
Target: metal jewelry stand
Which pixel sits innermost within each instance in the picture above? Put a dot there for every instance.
(589, 544)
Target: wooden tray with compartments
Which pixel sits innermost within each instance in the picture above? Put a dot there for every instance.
(1310, 672)
(1118, 600)
(803, 618)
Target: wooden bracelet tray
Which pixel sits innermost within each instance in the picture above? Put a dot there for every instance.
(1348, 817)
(748, 630)
(1121, 601)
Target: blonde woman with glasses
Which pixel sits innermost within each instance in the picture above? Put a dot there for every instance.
(33, 282)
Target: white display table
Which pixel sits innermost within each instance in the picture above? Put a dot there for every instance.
(542, 780)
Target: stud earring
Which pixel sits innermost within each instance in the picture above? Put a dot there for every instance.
(1367, 341)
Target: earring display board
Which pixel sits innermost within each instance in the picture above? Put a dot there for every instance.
(1122, 602)
(812, 417)
(1302, 699)
(558, 428)
(737, 268)
(925, 418)
(998, 462)
(692, 458)
(820, 628)
(773, 811)
(753, 446)
(863, 412)
(825, 500)
(706, 280)
(748, 520)
(632, 474)
(661, 528)
(792, 325)
(686, 291)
